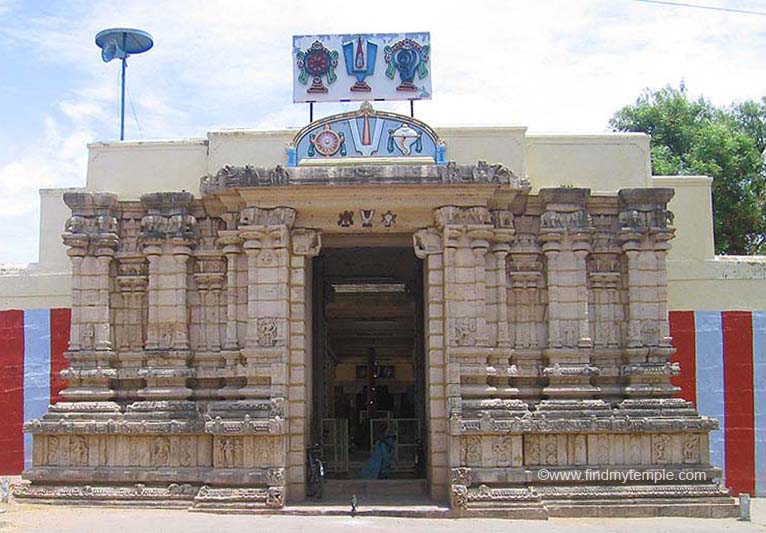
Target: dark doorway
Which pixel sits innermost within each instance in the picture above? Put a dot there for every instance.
(368, 360)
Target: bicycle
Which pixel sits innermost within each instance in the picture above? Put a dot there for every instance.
(316, 472)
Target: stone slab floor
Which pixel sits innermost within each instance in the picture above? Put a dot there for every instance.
(43, 518)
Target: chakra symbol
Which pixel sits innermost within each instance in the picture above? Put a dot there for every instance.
(388, 218)
(316, 62)
(327, 142)
(346, 219)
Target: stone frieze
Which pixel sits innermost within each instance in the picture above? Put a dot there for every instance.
(232, 177)
(245, 426)
(603, 424)
(139, 491)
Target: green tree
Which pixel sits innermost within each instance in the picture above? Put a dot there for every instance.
(696, 137)
(750, 118)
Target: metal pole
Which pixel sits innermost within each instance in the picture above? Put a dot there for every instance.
(311, 112)
(122, 104)
(122, 100)
(412, 108)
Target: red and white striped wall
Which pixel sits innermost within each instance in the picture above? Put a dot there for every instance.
(32, 345)
(723, 372)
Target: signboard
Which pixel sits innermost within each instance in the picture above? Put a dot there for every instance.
(374, 66)
(365, 134)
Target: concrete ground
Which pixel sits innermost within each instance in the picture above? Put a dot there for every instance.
(55, 518)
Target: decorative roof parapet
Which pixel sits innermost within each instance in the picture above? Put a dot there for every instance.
(230, 177)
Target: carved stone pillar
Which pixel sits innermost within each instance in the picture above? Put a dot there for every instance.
(644, 234)
(181, 253)
(92, 237)
(231, 242)
(503, 371)
(76, 252)
(500, 251)
(467, 232)
(306, 243)
(527, 307)
(442, 376)
(266, 239)
(168, 237)
(103, 326)
(605, 280)
(206, 325)
(132, 283)
(565, 235)
(209, 281)
(152, 251)
(128, 329)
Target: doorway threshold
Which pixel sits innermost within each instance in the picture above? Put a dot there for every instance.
(379, 497)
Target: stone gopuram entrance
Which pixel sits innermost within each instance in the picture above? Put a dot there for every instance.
(522, 335)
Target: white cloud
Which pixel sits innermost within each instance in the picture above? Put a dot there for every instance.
(57, 160)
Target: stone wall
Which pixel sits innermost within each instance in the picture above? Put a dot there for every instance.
(547, 345)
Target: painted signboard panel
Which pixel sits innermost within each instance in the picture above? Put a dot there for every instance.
(375, 66)
(366, 134)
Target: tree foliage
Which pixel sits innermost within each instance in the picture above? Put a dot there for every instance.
(726, 143)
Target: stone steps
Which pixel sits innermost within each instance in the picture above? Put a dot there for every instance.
(389, 497)
(402, 498)
(376, 488)
(400, 510)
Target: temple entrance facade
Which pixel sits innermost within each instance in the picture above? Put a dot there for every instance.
(515, 343)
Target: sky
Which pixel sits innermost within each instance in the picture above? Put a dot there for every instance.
(558, 66)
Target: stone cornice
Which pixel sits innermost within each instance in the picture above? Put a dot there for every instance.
(602, 424)
(231, 177)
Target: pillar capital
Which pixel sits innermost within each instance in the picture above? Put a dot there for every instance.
(427, 242)
(259, 216)
(452, 215)
(264, 236)
(644, 214)
(230, 241)
(93, 228)
(306, 242)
